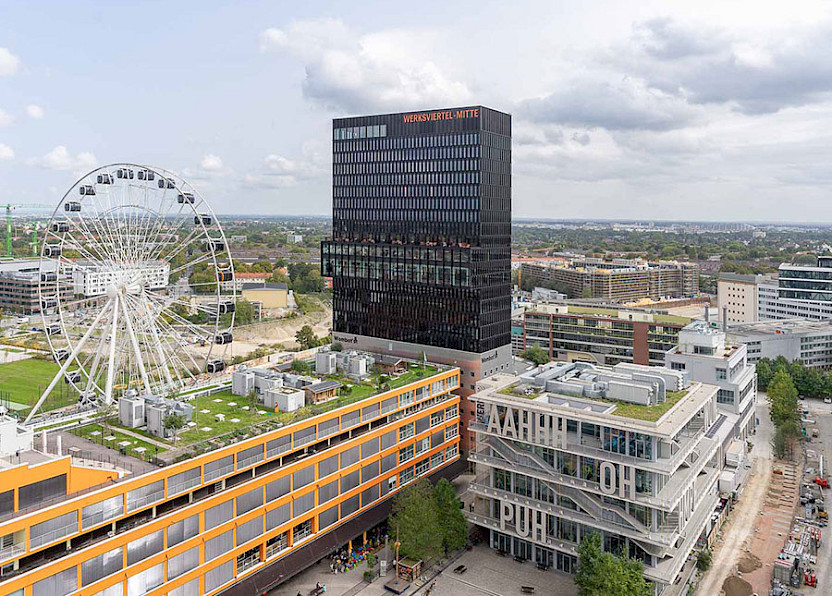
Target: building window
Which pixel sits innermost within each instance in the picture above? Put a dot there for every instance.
(677, 366)
(725, 396)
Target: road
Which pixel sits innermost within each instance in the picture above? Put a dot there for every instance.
(822, 415)
(742, 521)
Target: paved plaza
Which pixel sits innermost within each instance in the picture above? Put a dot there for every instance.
(487, 574)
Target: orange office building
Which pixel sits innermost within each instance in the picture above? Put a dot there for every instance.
(237, 520)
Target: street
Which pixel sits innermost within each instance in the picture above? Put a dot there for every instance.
(821, 413)
(743, 519)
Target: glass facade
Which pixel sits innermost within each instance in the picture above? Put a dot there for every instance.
(421, 228)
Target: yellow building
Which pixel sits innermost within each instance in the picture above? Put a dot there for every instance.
(270, 295)
(234, 520)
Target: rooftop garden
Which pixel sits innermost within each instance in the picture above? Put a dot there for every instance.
(648, 413)
(521, 390)
(110, 436)
(223, 418)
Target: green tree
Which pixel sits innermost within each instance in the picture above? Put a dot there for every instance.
(414, 519)
(174, 423)
(299, 366)
(703, 559)
(605, 574)
(783, 397)
(306, 337)
(765, 372)
(453, 524)
(535, 354)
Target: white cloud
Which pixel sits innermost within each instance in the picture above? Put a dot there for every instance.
(211, 163)
(60, 159)
(5, 118)
(35, 112)
(386, 70)
(6, 152)
(9, 63)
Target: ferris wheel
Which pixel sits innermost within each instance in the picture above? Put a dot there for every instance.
(136, 286)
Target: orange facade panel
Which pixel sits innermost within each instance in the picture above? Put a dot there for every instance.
(426, 406)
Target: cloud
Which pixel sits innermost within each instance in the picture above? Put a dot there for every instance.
(279, 171)
(6, 152)
(752, 75)
(211, 163)
(60, 159)
(9, 63)
(353, 72)
(626, 105)
(6, 119)
(35, 112)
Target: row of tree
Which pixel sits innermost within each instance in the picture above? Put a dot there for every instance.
(784, 411)
(809, 382)
(428, 520)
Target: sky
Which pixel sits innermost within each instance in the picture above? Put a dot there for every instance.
(647, 109)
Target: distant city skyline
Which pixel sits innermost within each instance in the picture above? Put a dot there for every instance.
(710, 111)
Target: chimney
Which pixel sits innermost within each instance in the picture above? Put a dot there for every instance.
(725, 318)
(707, 313)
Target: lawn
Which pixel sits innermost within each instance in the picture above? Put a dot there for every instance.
(86, 432)
(206, 402)
(23, 382)
(648, 413)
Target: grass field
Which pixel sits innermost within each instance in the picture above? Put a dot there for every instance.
(88, 430)
(206, 402)
(23, 382)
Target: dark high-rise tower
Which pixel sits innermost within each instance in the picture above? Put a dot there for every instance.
(421, 228)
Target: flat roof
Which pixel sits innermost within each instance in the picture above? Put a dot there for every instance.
(781, 327)
(600, 411)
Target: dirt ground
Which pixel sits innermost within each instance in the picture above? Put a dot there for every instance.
(283, 331)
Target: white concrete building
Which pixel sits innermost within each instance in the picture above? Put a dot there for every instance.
(90, 280)
(805, 340)
(738, 296)
(574, 448)
(706, 357)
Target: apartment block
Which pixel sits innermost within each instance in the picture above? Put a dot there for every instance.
(630, 452)
(617, 280)
(236, 520)
(601, 335)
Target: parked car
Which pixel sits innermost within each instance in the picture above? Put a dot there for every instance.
(827, 400)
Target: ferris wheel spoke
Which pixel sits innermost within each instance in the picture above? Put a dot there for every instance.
(200, 259)
(181, 349)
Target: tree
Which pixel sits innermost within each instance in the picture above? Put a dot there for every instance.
(336, 347)
(299, 366)
(244, 313)
(783, 397)
(703, 559)
(173, 423)
(414, 519)
(764, 373)
(454, 527)
(306, 337)
(605, 574)
(535, 354)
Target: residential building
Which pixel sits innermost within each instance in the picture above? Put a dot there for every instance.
(617, 280)
(806, 341)
(243, 279)
(268, 295)
(237, 520)
(420, 254)
(294, 238)
(630, 452)
(91, 279)
(20, 281)
(704, 354)
(738, 296)
(601, 335)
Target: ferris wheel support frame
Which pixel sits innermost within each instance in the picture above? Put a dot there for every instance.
(69, 360)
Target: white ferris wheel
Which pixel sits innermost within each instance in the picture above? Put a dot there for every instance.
(118, 309)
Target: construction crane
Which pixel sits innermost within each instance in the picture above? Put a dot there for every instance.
(9, 208)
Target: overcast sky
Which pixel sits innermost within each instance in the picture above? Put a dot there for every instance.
(714, 110)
